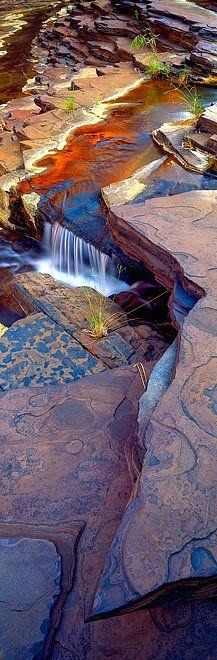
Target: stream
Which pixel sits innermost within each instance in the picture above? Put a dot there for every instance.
(94, 157)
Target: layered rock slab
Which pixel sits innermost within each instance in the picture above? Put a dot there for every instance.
(171, 137)
(168, 534)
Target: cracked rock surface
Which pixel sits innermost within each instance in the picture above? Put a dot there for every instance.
(168, 533)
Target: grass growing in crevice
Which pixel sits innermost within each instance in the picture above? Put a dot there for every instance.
(70, 103)
(158, 69)
(101, 321)
(194, 101)
(137, 14)
(138, 42)
(145, 40)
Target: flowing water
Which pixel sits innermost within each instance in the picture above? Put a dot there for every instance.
(94, 157)
(79, 249)
(78, 263)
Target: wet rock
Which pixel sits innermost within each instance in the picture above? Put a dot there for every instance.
(30, 572)
(128, 189)
(141, 297)
(30, 202)
(166, 535)
(171, 138)
(123, 191)
(36, 351)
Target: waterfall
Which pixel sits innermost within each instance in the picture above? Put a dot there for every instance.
(77, 263)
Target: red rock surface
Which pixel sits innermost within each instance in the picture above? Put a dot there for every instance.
(168, 533)
(69, 483)
(68, 448)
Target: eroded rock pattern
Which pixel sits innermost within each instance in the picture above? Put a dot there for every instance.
(36, 351)
(65, 456)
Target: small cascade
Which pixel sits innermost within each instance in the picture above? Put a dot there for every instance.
(77, 263)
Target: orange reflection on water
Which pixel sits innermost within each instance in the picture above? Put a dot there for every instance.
(113, 149)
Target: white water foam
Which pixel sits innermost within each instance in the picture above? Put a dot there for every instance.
(76, 263)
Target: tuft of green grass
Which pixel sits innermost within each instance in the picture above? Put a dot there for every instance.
(97, 101)
(138, 42)
(146, 40)
(101, 322)
(158, 69)
(70, 103)
(194, 101)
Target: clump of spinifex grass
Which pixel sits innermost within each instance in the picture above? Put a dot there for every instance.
(158, 69)
(101, 322)
(145, 40)
(70, 103)
(194, 101)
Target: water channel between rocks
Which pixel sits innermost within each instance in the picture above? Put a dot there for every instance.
(94, 157)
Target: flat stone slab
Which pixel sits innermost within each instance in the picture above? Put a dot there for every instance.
(37, 351)
(30, 575)
(168, 534)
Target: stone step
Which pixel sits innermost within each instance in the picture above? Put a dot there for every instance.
(37, 351)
